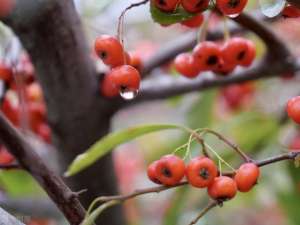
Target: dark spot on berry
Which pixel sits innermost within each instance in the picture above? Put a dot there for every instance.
(199, 4)
(212, 60)
(204, 173)
(103, 55)
(162, 2)
(241, 55)
(233, 3)
(123, 88)
(166, 172)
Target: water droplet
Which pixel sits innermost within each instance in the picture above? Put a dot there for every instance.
(128, 94)
(272, 8)
(233, 15)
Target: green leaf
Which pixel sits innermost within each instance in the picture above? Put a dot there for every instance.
(168, 18)
(107, 143)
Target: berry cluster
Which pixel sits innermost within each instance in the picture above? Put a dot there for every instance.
(201, 172)
(123, 78)
(22, 80)
(227, 7)
(221, 59)
(291, 11)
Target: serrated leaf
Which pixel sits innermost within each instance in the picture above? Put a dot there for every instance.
(168, 18)
(110, 141)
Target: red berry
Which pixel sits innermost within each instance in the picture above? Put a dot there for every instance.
(194, 6)
(295, 143)
(201, 172)
(222, 188)
(249, 54)
(293, 109)
(170, 170)
(107, 87)
(231, 7)
(6, 7)
(110, 50)
(44, 131)
(136, 60)
(5, 157)
(166, 5)
(34, 92)
(207, 55)
(151, 172)
(235, 50)
(36, 114)
(291, 11)
(11, 111)
(224, 68)
(246, 176)
(6, 72)
(186, 65)
(194, 22)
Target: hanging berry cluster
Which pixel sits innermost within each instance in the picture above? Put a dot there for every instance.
(202, 172)
(22, 102)
(123, 78)
(221, 59)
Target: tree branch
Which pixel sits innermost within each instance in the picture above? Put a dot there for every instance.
(57, 190)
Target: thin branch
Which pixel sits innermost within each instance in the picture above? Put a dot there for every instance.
(57, 190)
(10, 166)
(157, 189)
(204, 211)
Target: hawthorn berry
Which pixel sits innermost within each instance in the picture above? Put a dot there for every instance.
(224, 68)
(34, 92)
(194, 22)
(231, 7)
(5, 157)
(291, 11)
(110, 50)
(107, 87)
(6, 7)
(201, 172)
(293, 109)
(11, 111)
(151, 172)
(295, 143)
(207, 55)
(235, 51)
(6, 72)
(135, 60)
(223, 188)
(186, 64)
(44, 132)
(194, 6)
(246, 176)
(249, 54)
(170, 170)
(166, 5)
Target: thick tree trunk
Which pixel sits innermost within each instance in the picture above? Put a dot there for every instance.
(51, 32)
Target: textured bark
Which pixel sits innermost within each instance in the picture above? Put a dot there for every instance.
(53, 36)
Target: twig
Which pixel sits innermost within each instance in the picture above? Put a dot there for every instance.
(204, 211)
(236, 148)
(157, 189)
(57, 190)
(10, 166)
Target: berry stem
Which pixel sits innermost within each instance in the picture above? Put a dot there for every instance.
(226, 30)
(245, 157)
(203, 31)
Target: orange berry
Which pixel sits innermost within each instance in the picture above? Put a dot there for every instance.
(222, 188)
(246, 176)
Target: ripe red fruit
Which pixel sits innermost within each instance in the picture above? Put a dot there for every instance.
(246, 176)
(293, 109)
(186, 65)
(151, 172)
(11, 111)
(224, 68)
(249, 54)
(201, 172)
(6, 72)
(6, 7)
(170, 170)
(107, 87)
(222, 188)
(166, 5)
(295, 143)
(5, 157)
(110, 50)
(136, 60)
(36, 114)
(44, 131)
(231, 7)
(207, 55)
(291, 11)
(34, 92)
(235, 51)
(125, 78)
(194, 22)
(194, 6)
